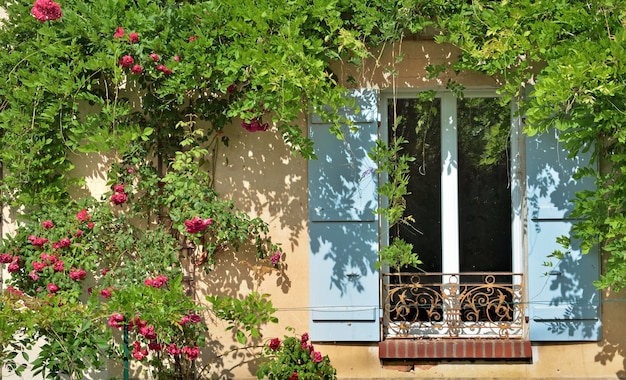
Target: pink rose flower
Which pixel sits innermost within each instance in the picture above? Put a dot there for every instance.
(163, 69)
(78, 275)
(177, 58)
(126, 61)
(148, 332)
(53, 288)
(37, 242)
(191, 352)
(115, 319)
(78, 233)
(82, 215)
(254, 125)
(15, 291)
(304, 338)
(140, 354)
(106, 293)
(5, 258)
(275, 259)
(119, 188)
(173, 350)
(59, 266)
(46, 10)
(137, 69)
(184, 320)
(38, 266)
(64, 243)
(294, 376)
(317, 356)
(133, 37)
(156, 282)
(91, 225)
(47, 224)
(119, 32)
(48, 259)
(193, 38)
(13, 267)
(195, 224)
(34, 275)
(155, 58)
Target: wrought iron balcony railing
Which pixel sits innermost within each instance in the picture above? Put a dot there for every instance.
(454, 305)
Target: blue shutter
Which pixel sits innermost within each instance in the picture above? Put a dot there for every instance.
(343, 229)
(563, 303)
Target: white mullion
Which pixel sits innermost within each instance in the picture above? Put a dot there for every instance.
(449, 185)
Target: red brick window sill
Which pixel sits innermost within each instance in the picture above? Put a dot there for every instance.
(444, 349)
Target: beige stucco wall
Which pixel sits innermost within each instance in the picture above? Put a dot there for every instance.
(265, 179)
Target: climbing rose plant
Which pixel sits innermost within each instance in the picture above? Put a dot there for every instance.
(88, 266)
(157, 87)
(294, 358)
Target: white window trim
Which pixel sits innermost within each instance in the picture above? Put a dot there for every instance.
(449, 186)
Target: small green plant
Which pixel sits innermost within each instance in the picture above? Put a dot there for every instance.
(294, 358)
(244, 315)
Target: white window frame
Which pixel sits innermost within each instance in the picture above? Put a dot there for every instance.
(449, 183)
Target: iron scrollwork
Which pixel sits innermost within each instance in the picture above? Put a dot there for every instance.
(454, 305)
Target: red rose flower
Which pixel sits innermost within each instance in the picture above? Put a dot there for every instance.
(126, 61)
(137, 69)
(45, 10)
(155, 57)
(119, 198)
(82, 215)
(119, 32)
(78, 275)
(274, 344)
(133, 37)
(13, 267)
(52, 288)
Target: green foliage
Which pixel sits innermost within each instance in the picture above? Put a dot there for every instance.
(294, 358)
(269, 60)
(244, 315)
(566, 59)
(198, 67)
(88, 262)
(398, 254)
(16, 321)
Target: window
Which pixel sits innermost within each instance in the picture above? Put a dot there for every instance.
(460, 180)
(506, 219)
(454, 183)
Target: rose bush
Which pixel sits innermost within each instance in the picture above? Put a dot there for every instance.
(90, 268)
(157, 86)
(294, 358)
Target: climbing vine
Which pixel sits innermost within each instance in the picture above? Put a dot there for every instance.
(155, 86)
(562, 62)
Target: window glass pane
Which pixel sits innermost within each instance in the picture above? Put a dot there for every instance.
(484, 193)
(419, 122)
